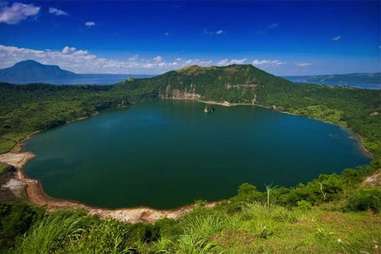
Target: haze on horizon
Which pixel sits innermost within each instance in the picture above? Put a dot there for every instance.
(150, 37)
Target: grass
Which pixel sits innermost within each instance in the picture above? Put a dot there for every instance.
(256, 229)
(6, 145)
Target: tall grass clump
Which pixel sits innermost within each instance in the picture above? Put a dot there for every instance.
(54, 232)
(15, 220)
(103, 237)
(198, 229)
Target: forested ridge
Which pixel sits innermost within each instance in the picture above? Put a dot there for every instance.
(25, 109)
(335, 213)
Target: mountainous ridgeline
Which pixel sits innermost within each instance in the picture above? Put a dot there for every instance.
(30, 71)
(360, 80)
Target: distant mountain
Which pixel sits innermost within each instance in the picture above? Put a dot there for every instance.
(30, 71)
(361, 80)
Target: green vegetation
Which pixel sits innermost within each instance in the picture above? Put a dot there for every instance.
(331, 214)
(3, 168)
(29, 108)
(365, 199)
(254, 228)
(15, 220)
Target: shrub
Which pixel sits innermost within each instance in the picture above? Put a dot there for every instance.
(304, 205)
(102, 237)
(15, 220)
(365, 199)
(249, 193)
(323, 189)
(54, 231)
(143, 233)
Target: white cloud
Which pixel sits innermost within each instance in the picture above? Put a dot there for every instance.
(17, 12)
(215, 32)
(89, 23)
(274, 62)
(166, 34)
(336, 38)
(227, 61)
(303, 64)
(219, 32)
(82, 61)
(57, 12)
(68, 50)
(158, 59)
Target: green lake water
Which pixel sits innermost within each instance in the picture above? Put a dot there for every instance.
(167, 154)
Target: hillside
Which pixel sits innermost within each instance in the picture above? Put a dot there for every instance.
(25, 109)
(360, 80)
(234, 83)
(336, 213)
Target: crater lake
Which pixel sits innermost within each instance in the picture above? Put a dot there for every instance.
(166, 154)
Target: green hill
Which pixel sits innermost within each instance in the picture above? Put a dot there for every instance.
(234, 83)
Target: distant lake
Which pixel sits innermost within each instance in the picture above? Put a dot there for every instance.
(166, 154)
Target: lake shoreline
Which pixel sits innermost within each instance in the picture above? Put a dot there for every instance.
(36, 194)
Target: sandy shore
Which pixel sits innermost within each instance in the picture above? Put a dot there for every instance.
(225, 103)
(37, 196)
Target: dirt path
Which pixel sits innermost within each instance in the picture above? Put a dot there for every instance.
(37, 196)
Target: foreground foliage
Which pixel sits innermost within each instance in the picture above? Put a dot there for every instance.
(255, 228)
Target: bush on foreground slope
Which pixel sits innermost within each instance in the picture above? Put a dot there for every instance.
(255, 228)
(343, 218)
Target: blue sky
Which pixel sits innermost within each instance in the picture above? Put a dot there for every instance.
(282, 37)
